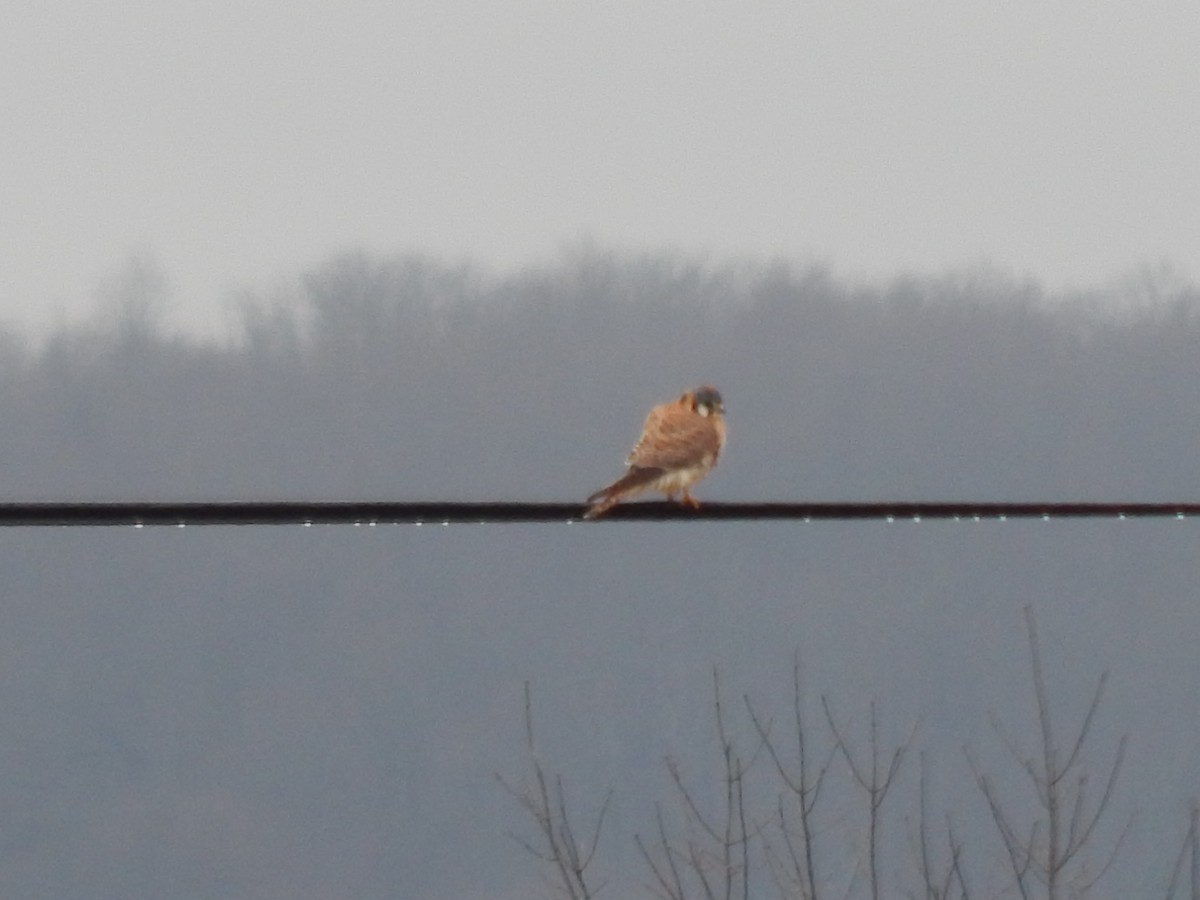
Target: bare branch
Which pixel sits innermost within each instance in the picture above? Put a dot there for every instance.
(1112, 857)
(545, 800)
(686, 795)
(1086, 727)
(874, 785)
(936, 886)
(1018, 853)
(1195, 851)
(802, 784)
(1191, 840)
(700, 869)
(1113, 773)
(1068, 818)
(923, 860)
(669, 879)
(956, 860)
(715, 857)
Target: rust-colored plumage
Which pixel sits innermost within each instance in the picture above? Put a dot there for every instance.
(680, 443)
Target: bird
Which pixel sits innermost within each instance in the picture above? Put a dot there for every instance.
(680, 444)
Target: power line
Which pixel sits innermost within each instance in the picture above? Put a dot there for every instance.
(140, 514)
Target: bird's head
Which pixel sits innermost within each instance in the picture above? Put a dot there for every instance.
(706, 400)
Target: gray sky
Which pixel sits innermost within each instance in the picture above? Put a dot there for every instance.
(239, 143)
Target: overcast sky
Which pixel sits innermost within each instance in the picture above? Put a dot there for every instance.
(240, 143)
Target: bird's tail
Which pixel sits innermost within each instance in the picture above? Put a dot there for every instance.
(600, 504)
(637, 480)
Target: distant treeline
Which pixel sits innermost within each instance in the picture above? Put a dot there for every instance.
(402, 376)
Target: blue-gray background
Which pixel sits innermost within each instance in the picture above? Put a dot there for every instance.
(320, 712)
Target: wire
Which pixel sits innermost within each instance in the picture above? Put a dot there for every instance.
(139, 514)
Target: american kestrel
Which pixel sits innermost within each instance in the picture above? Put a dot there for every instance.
(680, 443)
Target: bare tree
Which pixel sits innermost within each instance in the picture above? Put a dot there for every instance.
(794, 868)
(872, 781)
(712, 859)
(938, 882)
(1048, 850)
(544, 798)
(701, 844)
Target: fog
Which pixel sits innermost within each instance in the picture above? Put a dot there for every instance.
(284, 712)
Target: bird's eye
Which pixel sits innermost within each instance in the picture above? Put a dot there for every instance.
(708, 399)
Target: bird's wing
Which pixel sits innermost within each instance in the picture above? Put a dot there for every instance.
(674, 437)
